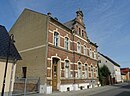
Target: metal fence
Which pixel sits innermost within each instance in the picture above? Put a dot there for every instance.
(23, 86)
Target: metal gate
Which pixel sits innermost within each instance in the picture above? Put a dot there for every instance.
(23, 86)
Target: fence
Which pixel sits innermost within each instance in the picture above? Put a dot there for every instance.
(23, 86)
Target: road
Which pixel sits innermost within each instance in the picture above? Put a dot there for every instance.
(118, 90)
(122, 89)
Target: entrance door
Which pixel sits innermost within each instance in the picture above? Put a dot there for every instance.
(54, 74)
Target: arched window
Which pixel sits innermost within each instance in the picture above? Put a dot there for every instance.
(92, 71)
(86, 71)
(95, 55)
(83, 33)
(79, 70)
(67, 69)
(56, 38)
(90, 52)
(79, 31)
(66, 43)
(85, 50)
(78, 47)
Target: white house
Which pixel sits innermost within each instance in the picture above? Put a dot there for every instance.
(112, 66)
(8, 57)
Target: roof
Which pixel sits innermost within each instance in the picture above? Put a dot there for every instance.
(123, 73)
(110, 60)
(4, 46)
(70, 24)
(125, 70)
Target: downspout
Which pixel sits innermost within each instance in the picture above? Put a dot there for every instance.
(73, 60)
(47, 23)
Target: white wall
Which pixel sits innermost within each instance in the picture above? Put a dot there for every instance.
(115, 70)
(106, 62)
(117, 73)
(8, 76)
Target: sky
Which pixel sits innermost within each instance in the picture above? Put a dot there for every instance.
(107, 21)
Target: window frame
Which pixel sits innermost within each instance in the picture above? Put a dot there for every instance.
(85, 50)
(67, 71)
(86, 70)
(79, 70)
(78, 47)
(56, 39)
(66, 43)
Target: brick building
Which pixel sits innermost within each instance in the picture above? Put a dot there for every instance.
(60, 54)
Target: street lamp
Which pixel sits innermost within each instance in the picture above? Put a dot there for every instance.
(10, 41)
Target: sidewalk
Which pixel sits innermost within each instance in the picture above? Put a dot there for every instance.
(86, 92)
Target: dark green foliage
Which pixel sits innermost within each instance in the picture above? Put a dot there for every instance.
(103, 74)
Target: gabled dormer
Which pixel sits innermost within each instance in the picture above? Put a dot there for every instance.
(78, 25)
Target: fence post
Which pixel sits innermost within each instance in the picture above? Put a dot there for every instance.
(25, 89)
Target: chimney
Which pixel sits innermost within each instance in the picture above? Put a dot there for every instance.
(49, 14)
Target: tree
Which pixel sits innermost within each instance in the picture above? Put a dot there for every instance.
(104, 75)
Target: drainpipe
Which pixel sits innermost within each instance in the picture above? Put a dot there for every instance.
(73, 60)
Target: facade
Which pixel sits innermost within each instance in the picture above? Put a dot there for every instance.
(60, 54)
(125, 74)
(112, 66)
(11, 64)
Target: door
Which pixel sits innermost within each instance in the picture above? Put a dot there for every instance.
(54, 74)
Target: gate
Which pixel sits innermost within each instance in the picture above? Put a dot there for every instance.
(23, 86)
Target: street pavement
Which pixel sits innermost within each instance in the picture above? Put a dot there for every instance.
(122, 89)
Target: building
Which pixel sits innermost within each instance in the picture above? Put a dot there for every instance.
(125, 74)
(8, 56)
(113, 67)
(60, 54)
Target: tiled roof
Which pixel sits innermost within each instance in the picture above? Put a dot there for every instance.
(110, 60)
(4, 46)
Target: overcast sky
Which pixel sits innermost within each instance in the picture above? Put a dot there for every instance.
(107, 21)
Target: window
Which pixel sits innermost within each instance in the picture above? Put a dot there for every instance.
(67, 69)
(82, 33)
(78, 47)
(24, 69)
(79, 31)
(85, 50)
(90, 53)
(66, 43)
(56, 38)
(92, 69)
(94, 55)
(86, 71)
(96, 71)
(79, 70)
